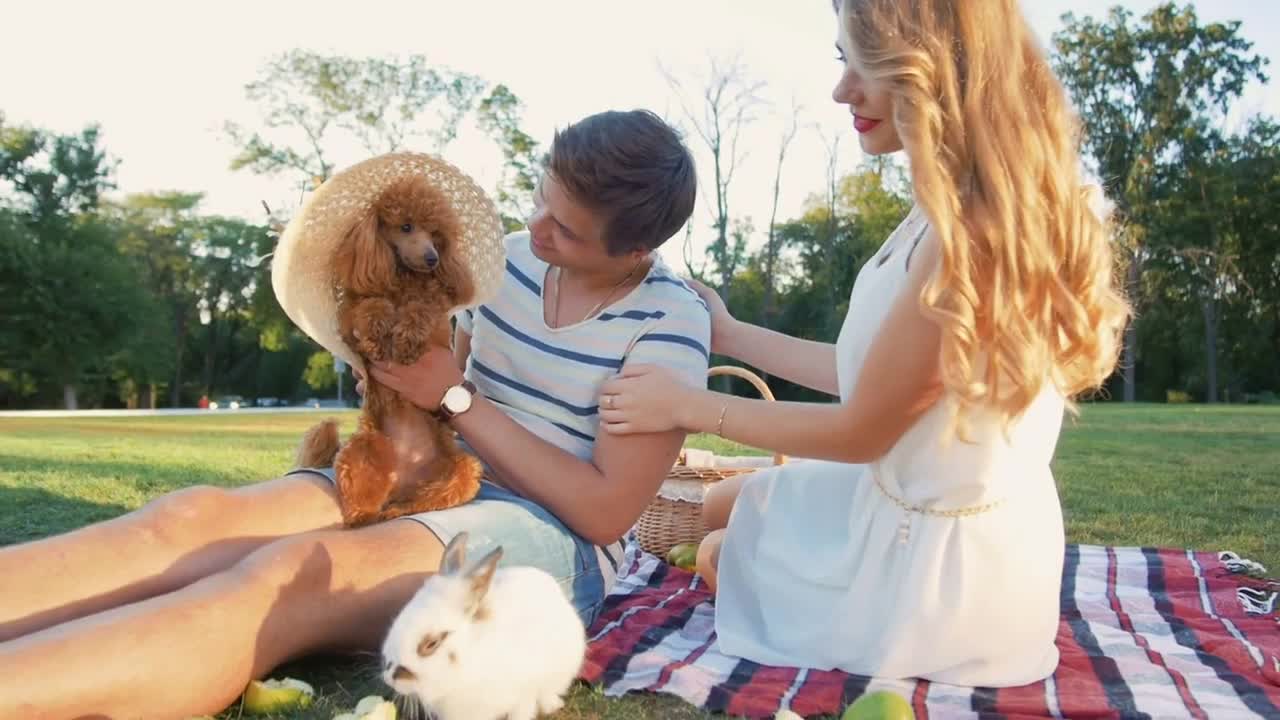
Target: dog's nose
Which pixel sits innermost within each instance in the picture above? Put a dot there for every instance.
(432, 258)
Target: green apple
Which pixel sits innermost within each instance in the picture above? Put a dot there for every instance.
(269, 696)
(684, 555)
(879, 705)
(373, 707)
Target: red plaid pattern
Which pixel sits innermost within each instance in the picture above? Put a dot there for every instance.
(1144, 633)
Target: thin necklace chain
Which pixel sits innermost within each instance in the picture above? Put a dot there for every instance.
(599, 305)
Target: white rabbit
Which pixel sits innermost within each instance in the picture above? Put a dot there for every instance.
(485, 643)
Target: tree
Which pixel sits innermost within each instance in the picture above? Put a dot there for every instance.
(304, 96)
(769, 268)
(160, 233)
(1140, 90)
(1255, 214)
(726, 106)
(320, 373)
(1216, 214)
(68, 296)
(836, 234)
(53, 177)
(69, 303)
(827, 234)
(227, 275)
(734, 255)
(499, 115)
(877, 198)
(385, 102)
(1196, 245)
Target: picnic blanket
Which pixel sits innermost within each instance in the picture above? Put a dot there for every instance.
(1145, 633)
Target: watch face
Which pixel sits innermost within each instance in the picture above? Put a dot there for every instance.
(457, 399)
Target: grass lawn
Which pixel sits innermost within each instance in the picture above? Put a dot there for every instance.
(1177, 476)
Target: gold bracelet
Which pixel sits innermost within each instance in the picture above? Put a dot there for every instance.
(720, 423)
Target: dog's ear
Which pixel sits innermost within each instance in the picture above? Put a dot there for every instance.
(455, 278)
(365, 264)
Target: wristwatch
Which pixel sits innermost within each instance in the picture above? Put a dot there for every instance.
(457, 400)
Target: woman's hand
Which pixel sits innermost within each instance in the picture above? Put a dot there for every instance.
(425, 381)
(722, 323)
(642, 399)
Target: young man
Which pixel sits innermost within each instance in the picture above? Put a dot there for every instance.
(204, 589)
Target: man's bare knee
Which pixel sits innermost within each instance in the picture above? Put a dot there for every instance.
(361, 558)
(312, 504)
(186, 517)
(300, 562)
(357, 580)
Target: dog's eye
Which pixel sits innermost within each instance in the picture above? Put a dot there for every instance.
(406, 228)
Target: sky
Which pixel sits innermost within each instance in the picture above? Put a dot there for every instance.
(162, 78)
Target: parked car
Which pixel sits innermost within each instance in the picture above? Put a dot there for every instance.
(269, 402)
(227, 402)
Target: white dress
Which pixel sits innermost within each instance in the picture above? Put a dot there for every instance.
(940, 561)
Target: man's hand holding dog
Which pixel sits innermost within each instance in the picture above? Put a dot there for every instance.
(424, 382)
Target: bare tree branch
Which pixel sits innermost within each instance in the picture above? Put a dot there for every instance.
(771, 247)
(728, 101)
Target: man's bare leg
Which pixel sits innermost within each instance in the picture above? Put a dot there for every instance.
(172, 541)
(192, 651)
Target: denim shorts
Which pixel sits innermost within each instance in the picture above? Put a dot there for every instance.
(529, 535)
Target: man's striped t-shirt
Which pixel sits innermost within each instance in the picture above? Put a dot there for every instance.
(548, 379)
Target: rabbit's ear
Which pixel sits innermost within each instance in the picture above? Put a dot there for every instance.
(455, 553)
(480, 576)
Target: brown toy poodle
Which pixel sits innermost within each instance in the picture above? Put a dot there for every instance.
(398, 278)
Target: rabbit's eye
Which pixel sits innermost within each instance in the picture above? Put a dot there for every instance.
(430, 643)
(406, 228)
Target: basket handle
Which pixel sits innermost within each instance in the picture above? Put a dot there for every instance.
(759, 384)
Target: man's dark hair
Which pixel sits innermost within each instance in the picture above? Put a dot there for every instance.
(633, 167)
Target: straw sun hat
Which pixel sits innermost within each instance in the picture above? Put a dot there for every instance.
(301, 272)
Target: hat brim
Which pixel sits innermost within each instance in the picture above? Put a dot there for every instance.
(301, 266)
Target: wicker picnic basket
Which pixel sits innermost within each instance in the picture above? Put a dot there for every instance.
(675, 514)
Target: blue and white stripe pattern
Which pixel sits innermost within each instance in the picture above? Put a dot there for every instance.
(549, 379)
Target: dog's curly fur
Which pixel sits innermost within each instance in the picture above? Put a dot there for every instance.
(399, 276)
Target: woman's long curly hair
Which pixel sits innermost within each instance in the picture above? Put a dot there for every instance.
(1027, 290)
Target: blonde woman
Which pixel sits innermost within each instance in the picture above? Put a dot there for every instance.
(925, 537)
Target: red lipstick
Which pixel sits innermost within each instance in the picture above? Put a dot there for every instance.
(864, 125)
